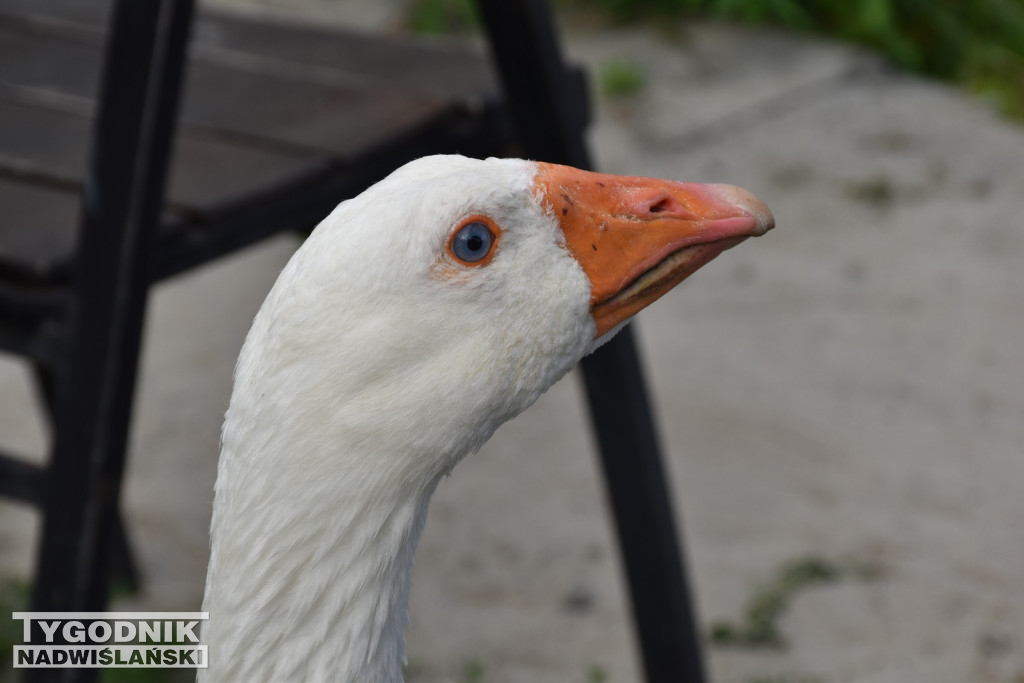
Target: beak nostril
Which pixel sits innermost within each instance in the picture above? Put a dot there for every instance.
(666, 205)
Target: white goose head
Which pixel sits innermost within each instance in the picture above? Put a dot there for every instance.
(415, 320)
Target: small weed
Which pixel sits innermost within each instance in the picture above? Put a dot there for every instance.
(879, 192)
(996, 72)
(473, 672)
(121, 590)
(596, 674)
(759, 627)
(14, 597)
(443, 17)
(621, 77)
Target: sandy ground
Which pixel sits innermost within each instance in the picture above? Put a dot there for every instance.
(846, 388)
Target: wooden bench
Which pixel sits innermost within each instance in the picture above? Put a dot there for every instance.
(261, 124)
(107, 185)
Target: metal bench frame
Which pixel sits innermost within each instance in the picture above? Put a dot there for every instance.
(87, 363)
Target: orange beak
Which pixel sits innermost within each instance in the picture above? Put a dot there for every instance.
(637, 238)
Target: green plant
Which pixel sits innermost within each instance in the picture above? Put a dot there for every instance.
(14, 597)
(596, 674)
(878, 191)
(759, 627)
(443, 17)
(977, 43)
(473, 672)
(620, 77)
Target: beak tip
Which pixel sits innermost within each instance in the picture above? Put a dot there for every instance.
(749, 204)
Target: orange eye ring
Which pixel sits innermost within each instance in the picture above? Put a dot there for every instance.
(474, 241)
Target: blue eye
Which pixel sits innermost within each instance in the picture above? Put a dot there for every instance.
(472, 242)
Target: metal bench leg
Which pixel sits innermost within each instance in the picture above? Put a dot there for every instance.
(138, 106)
(123, 567)
(46, 385)
(640, 496)
(546, 104)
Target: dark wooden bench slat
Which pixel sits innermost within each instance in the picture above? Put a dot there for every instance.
(264, 103)
(301, 111)
(434, 66)
(440, 68)
(87, 12)
(49, 62)
(207, 170)
(38, 227)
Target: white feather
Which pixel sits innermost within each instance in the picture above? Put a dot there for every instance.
(374, 366)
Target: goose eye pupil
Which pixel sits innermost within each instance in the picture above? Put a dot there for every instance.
(472, 242)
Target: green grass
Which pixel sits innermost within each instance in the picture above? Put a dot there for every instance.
(14, 597)
(976, 43)
(878, 191)
(473, 672)
(443, 17)
(759, 626)
(620, 77)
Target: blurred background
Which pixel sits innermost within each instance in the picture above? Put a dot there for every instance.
(840, 402)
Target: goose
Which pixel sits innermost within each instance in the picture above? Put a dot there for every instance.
(414, 320)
